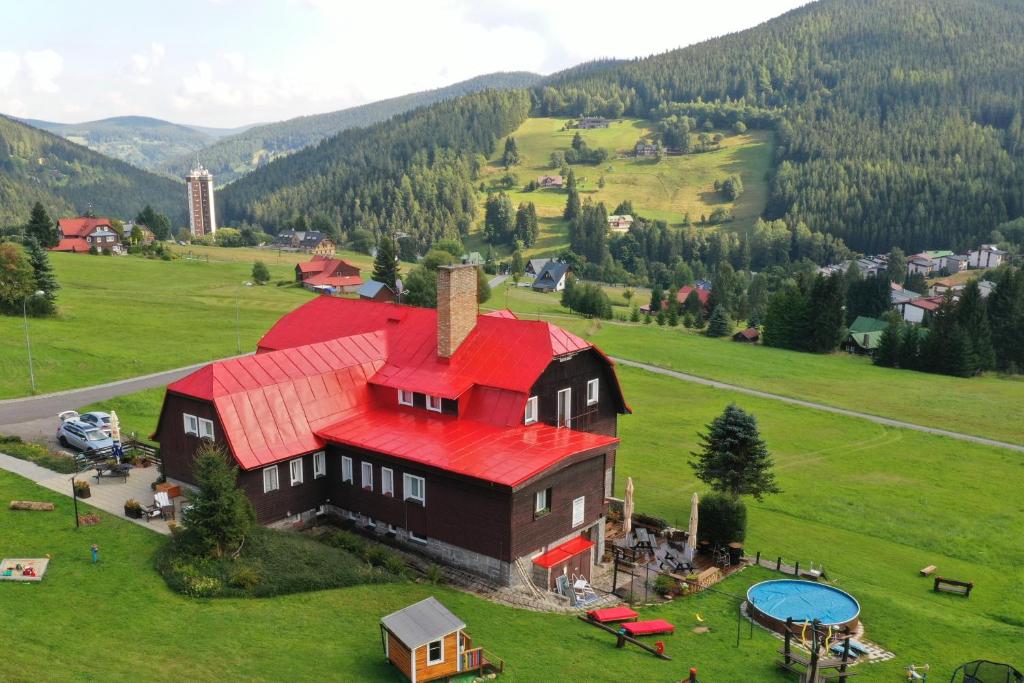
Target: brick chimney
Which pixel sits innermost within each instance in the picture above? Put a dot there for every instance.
(456, 306)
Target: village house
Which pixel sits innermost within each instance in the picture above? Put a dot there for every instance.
(288, 239)
(898, 295)
(535, 265)
(480, 441)
(871, 266)
(620, 223)
(703, 290)
(328, 275)
(553, 181)
(376, 291)
(78, 235)
(920, 309)
(921, 265)
(552, 277)
(747, 336)
(954, 263)
(593, 122)
(865, 334)
(646, 149)
(317, 243)
(944, 285)
(988, 256)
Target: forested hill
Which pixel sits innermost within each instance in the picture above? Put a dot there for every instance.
(67, 178)
(232, 157)
(140, 140)
(899, 121)
(408, 175)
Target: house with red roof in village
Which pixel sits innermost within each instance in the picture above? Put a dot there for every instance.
(481, 441)
(328, 275)
(78, 235)
(684, 292)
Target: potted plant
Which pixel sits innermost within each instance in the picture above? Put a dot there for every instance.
(82, 489)
(132, 508)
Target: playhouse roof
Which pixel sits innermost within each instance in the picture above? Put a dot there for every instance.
(423, 622)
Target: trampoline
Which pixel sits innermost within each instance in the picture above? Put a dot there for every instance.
(771, 603)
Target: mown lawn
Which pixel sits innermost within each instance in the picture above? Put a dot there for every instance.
(669, 190)
(126, 316)
(990, 406)
(871, 503)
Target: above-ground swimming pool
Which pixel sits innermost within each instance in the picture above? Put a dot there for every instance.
(772, 602)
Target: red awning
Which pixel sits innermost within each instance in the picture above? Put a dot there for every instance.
(563, 552)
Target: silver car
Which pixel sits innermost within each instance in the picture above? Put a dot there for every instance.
(83, 436)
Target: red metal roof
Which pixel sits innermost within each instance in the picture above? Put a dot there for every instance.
(684, 292)
(499, 454)
(81, 226)
(270, 405)
(322, 279)
(928, 303)
(75, 244)
(563, 552)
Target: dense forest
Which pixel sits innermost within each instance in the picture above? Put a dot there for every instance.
(36, 166)
(408, 177)
(234, 156)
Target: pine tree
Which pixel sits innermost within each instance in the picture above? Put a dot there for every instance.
(673, 316)
(41, 227)
(572, 205)
(733, 459)
(826, 309)
(910, 348)
(719, 324)
(221, 515)
(511, 156)
(897, 266)
(973, 319)
(887, 354)
(656, 298)
(45, 279)
(1006, 319)
(385, 265)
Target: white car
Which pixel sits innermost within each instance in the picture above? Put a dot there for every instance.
(95, 419)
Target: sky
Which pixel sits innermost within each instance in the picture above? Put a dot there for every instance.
(226, 63)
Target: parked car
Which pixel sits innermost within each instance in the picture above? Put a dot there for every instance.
(83, 436)
(97, 419)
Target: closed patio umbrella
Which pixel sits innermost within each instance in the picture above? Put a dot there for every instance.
(627, 507)
(115, 434)
(691, 537)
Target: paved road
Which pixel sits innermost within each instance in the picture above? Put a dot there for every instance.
(497, 280)
(817, 406)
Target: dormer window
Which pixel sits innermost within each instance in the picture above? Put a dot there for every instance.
(531, 411)
(434, 403)
(404, 397)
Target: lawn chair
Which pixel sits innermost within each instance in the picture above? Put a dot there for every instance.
(160, 506)
(582, 590)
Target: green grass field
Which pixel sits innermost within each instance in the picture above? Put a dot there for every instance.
(871, 503)
(968, 405)
(126, 316)
(668, 190)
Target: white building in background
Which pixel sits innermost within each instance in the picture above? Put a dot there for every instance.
(202, 216)
(989, 256)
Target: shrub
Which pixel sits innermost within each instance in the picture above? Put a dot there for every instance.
(656, 523)
(40, 455)
(722, 519)
(395, 564)
(664, 584)
(80, 486)
(435, 574)
(346, 540)
(244, 577)
(375, 554)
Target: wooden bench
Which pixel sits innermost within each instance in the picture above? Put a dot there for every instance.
(115, 471)
(963, 588)
(927, 571)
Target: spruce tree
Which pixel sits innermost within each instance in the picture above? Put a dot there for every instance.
(385, 264)
(826, 309)
(973, 319)
(719, 324)
(572, 205)
(1006, 319)
(897, 266)
(41, 227)
(910, 348)
(656, 298)
(511, 156)
(221, 515)
(733, 459)
(887, 354)
(44, 277)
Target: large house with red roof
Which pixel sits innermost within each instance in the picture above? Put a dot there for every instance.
(80, 234)
(327, 274)
(481, 441)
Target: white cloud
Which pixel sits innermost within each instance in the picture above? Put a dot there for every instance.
(10, 65)
(144, 64)
(44, 66)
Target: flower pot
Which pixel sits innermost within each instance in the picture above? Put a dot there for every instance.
(83, 493)
(134, 513)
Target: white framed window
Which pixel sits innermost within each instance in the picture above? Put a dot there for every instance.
(542, 502)
(205, 428)
(191, 424)
(592, 388)
(415, 488)
(435, 652)
(578, 504)
(417, 537)
(319, 465)
(366, 475)
(346, 469)
(530, 415)
(564, 415)
(434, 403)
(270, 482)
(387, 481)
(295, 470)
(404, 397)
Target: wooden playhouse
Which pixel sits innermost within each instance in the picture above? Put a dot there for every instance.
(427, 642)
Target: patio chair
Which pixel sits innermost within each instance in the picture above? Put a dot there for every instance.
(159, 508)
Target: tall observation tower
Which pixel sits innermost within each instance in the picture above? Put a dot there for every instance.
(202, 218)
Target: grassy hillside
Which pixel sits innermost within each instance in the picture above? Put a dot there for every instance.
(873, 504)
(140, 140)
(958, 404)
(68, 178)
(675, 187)
(127, 316)
(236, 155)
